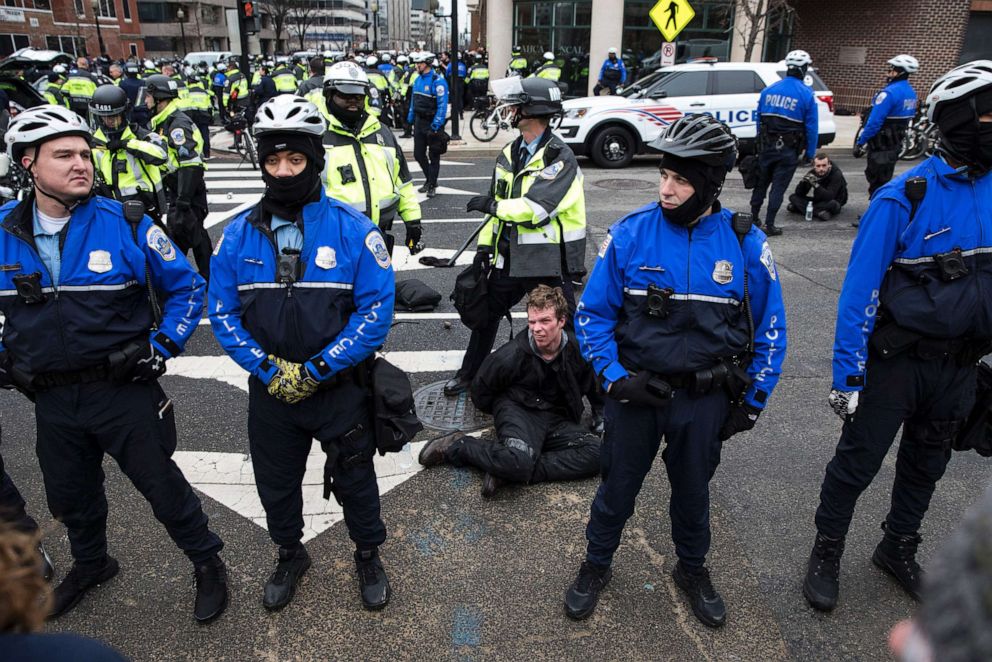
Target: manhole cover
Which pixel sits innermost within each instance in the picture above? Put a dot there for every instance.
(440, 412)
(625, 184)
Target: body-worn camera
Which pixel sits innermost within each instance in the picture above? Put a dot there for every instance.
(347, 174)
(288, 268)
(29, 287)
(951, 265)
(658, 301)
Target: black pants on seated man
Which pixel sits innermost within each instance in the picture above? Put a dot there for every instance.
(531, 447)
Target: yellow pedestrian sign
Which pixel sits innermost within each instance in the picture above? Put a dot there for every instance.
(671, 17)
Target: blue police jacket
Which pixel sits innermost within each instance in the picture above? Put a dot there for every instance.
(334, 316)
(789, 106)
(892, 267)
(462, 69)
(429, 99)
(101, 303)
(219, 79)
(608, 73)
(131, 87)
(704, 268)
(895, 103)
(386, 67)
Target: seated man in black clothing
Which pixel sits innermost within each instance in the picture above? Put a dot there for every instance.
(533, 387)
(824, 185)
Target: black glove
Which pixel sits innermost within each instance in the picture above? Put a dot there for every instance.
(483, 257)
(740, 419)
(138, 362)
(6, 378)
(116, 144)
(636, 390)
(414, 231)
(484, 203)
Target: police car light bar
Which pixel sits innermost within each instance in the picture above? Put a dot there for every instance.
(709, 59)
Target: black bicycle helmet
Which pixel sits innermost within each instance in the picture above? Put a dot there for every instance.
(700, 137)
(540, 98)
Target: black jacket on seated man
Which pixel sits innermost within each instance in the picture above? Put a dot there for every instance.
(537, 406)
(828, 193)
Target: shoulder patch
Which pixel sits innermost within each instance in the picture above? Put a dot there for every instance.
(178, 136)
(377, 246)
(552, 170)
(606, 244)
(439, 90)
(158, 242)
(768, 260)
(880, 98)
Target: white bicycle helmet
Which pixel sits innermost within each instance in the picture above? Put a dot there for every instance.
(907, 63)
(386, 57)
(402, 59)
(549, 56)
(958, 83)
(59, 69)
(371, 61)
(798, 59)
(288, 113)
(346, 78)
(41, 124)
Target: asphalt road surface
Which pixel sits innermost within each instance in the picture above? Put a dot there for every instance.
(484, 580)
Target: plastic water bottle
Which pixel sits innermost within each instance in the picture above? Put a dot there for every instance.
(405, 459)
(809, 211)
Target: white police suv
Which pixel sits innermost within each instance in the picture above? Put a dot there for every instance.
(612, 129)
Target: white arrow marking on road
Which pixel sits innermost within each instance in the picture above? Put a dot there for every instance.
(230, 479)
(422, 197)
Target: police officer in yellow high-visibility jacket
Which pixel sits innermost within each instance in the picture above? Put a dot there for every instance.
(185, 188)
(79, 87)
(127, 166)
(549, 70)
(364, 166)
(537, 218)
(235, 89)
(199, 106)
(284, 78)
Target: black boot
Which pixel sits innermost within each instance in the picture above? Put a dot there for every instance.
(78, 581)
(456, 385)
(47, 568)
(772, 231)
(372, 581)
(490, 484)
(210, 578)
(706, 603)
(292, 563)
(423, 189)
(582, 596)
(822, 583)
(896, 555)
(435, 451)
(432, 190)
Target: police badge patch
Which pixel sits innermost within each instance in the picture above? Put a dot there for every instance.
(880, 98)
(723, 271)
(377, 246)
(158, 242)
(326, 258)
(100, 262)
(552, 170)
(768, 260)
(178, 136)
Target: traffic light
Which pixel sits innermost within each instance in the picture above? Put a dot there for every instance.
(248, 11)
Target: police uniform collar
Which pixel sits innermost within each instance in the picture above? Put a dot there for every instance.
(167, 112)
(517, 144)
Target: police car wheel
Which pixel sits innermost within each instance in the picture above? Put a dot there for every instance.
(613, 147)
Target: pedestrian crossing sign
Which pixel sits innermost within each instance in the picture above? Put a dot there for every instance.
(671, 17)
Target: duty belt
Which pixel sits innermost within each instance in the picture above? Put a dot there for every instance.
(49, 380)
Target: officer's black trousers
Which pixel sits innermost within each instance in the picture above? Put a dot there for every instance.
(633, 436)
(280, 437)
(12, 506)
(881, 163)
(428, 159)
(775, 168)
(504, 293)
(532, 446)
(186, 228)
(77, 425)
(800, 202)
(929, 399)
(219, 97)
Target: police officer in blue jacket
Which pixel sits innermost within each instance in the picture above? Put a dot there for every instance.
(913, 317)
(427, 114)
(688, 348)
(612, 74)
(84, 335)
(787, 127)
(301, 295)
(891, 112)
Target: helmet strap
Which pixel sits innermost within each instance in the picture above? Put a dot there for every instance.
(68, 206)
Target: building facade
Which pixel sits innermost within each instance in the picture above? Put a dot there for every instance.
(398, 20)
(71, 26)
(210, 25)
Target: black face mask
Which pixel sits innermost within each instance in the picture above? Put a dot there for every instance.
(983, 146)
(350, 119)
(286, 196)
(705, 179)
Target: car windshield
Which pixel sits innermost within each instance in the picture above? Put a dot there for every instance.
(818, 84)
(635, 90)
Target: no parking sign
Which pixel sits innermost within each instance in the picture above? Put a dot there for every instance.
(667, 54)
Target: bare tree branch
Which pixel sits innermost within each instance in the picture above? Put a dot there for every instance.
(756, 14)
(279, 11)
(300, 17)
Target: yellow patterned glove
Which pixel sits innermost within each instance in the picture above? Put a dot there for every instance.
(292, 383)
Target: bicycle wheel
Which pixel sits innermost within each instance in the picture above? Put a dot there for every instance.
(484, 126)
(250, 151)
(913, 145)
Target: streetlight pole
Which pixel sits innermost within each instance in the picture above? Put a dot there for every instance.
(181, 15)
(456, 81)
(96, 21)
(375, 26)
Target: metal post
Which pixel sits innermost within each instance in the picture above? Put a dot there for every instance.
(456, 80)
(375, 26)
(243, 34)
(181, 15)
(96, 21)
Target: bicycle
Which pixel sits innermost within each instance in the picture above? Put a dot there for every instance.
(490, 116)
(244, 142)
